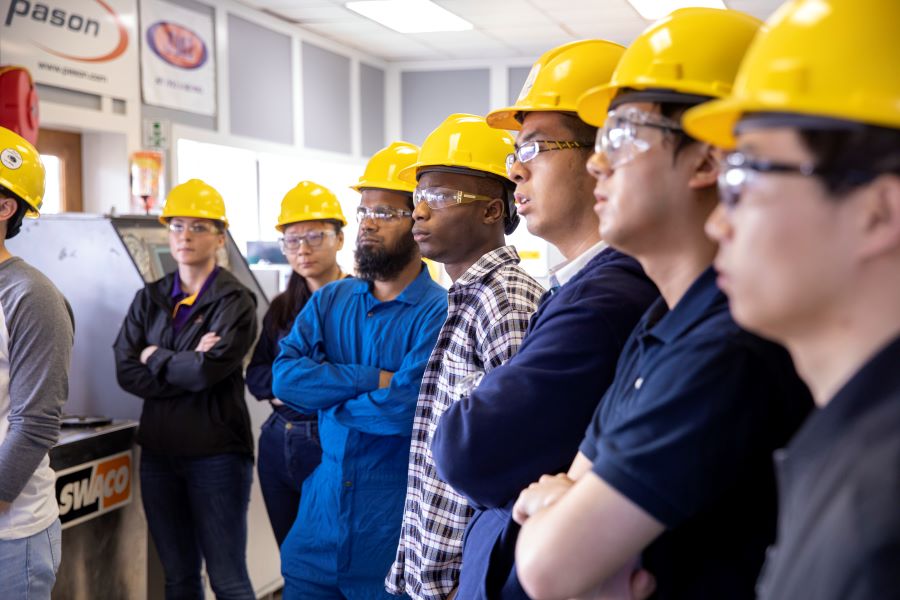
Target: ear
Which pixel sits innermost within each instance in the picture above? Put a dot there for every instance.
(340, 240)
(705, 167)
(880, 218)
(8, 208)
(493, 212)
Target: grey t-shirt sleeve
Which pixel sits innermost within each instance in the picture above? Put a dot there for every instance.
(41, 333)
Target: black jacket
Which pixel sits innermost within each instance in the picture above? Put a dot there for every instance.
(259, 371)
(193, 401)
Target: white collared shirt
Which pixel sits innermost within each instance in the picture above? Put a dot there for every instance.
(564, 271)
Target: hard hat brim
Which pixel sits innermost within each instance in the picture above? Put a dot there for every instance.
(164, 219)
(385, 185)
(713, 122)
(594, 104)
(505, 118)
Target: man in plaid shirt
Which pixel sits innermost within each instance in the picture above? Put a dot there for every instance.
(463, 206)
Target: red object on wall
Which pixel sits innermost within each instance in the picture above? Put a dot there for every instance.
(18, 102)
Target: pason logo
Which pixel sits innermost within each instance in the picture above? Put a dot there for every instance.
(68, 20)
(93, 488)
(177, 45)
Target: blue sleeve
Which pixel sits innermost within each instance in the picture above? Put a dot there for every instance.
(303, 378)
(703, 418)
(390, 410)
(527, 417)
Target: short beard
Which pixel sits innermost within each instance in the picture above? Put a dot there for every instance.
(384, 264)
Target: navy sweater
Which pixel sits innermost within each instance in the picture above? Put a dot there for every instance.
(528, 416)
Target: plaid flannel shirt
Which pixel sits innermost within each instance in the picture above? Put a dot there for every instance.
(489, 309)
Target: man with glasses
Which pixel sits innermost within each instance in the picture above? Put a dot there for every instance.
(809, 255)
(463, 206)
(675, 471)
(527, 416)
(355, 355)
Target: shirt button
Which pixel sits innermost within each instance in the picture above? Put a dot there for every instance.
(288, 425)
(348, 484)
(369, 314)
(638, 383)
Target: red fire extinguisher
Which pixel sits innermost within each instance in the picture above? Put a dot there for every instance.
(18, 102)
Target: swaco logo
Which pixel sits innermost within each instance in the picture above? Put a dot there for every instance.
(60, 19)
(90, 489)
(177, 45)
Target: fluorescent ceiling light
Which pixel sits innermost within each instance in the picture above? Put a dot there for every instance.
(653, 10)
(410, 16)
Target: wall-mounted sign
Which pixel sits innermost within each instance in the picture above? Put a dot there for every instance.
(90, 489)
(178, 67)
(86, 45)
(156, 134)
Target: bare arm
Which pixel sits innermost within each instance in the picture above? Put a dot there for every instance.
(575, 545)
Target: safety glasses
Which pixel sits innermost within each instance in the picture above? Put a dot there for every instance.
(529, 150)
(290, 244)
(199, 228)
(381, 213)
(737, 172)
(624, 134)
(441, 197)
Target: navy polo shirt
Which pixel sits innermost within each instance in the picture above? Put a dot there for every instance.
(686, 431)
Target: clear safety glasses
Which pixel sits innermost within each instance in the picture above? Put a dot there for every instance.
(737, 171)
(290, 244)
(441, 197)
(381, 213)
(199, 228)
(529, 150)
(624, 135)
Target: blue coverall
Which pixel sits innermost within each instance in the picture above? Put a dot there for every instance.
(346, 532)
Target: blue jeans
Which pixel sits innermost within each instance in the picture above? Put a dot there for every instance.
(197, 509)
(288, 452)
(28, 566)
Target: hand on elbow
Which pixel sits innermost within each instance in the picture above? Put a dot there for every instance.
(540, 495)
(147, 352)
(384, 379)
(206, 342)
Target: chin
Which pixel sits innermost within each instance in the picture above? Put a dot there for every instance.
(751, 318)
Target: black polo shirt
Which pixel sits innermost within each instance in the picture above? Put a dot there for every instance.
(687, 430)
(839, 488)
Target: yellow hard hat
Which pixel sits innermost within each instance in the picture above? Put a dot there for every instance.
(21, 170)
(822, 58)
(384, 166)
(692, 52)
(559, 78)
(309, 201)
(194, 199)
(464, 141)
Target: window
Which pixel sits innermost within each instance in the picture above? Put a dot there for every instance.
(53, 190)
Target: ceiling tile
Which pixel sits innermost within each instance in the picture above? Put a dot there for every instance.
(506, 28)
(306, 13)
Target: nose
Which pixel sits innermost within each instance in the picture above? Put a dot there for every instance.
(718, 226)
(421, 212)
(598, 166)
(368, 223)
(518, 172)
